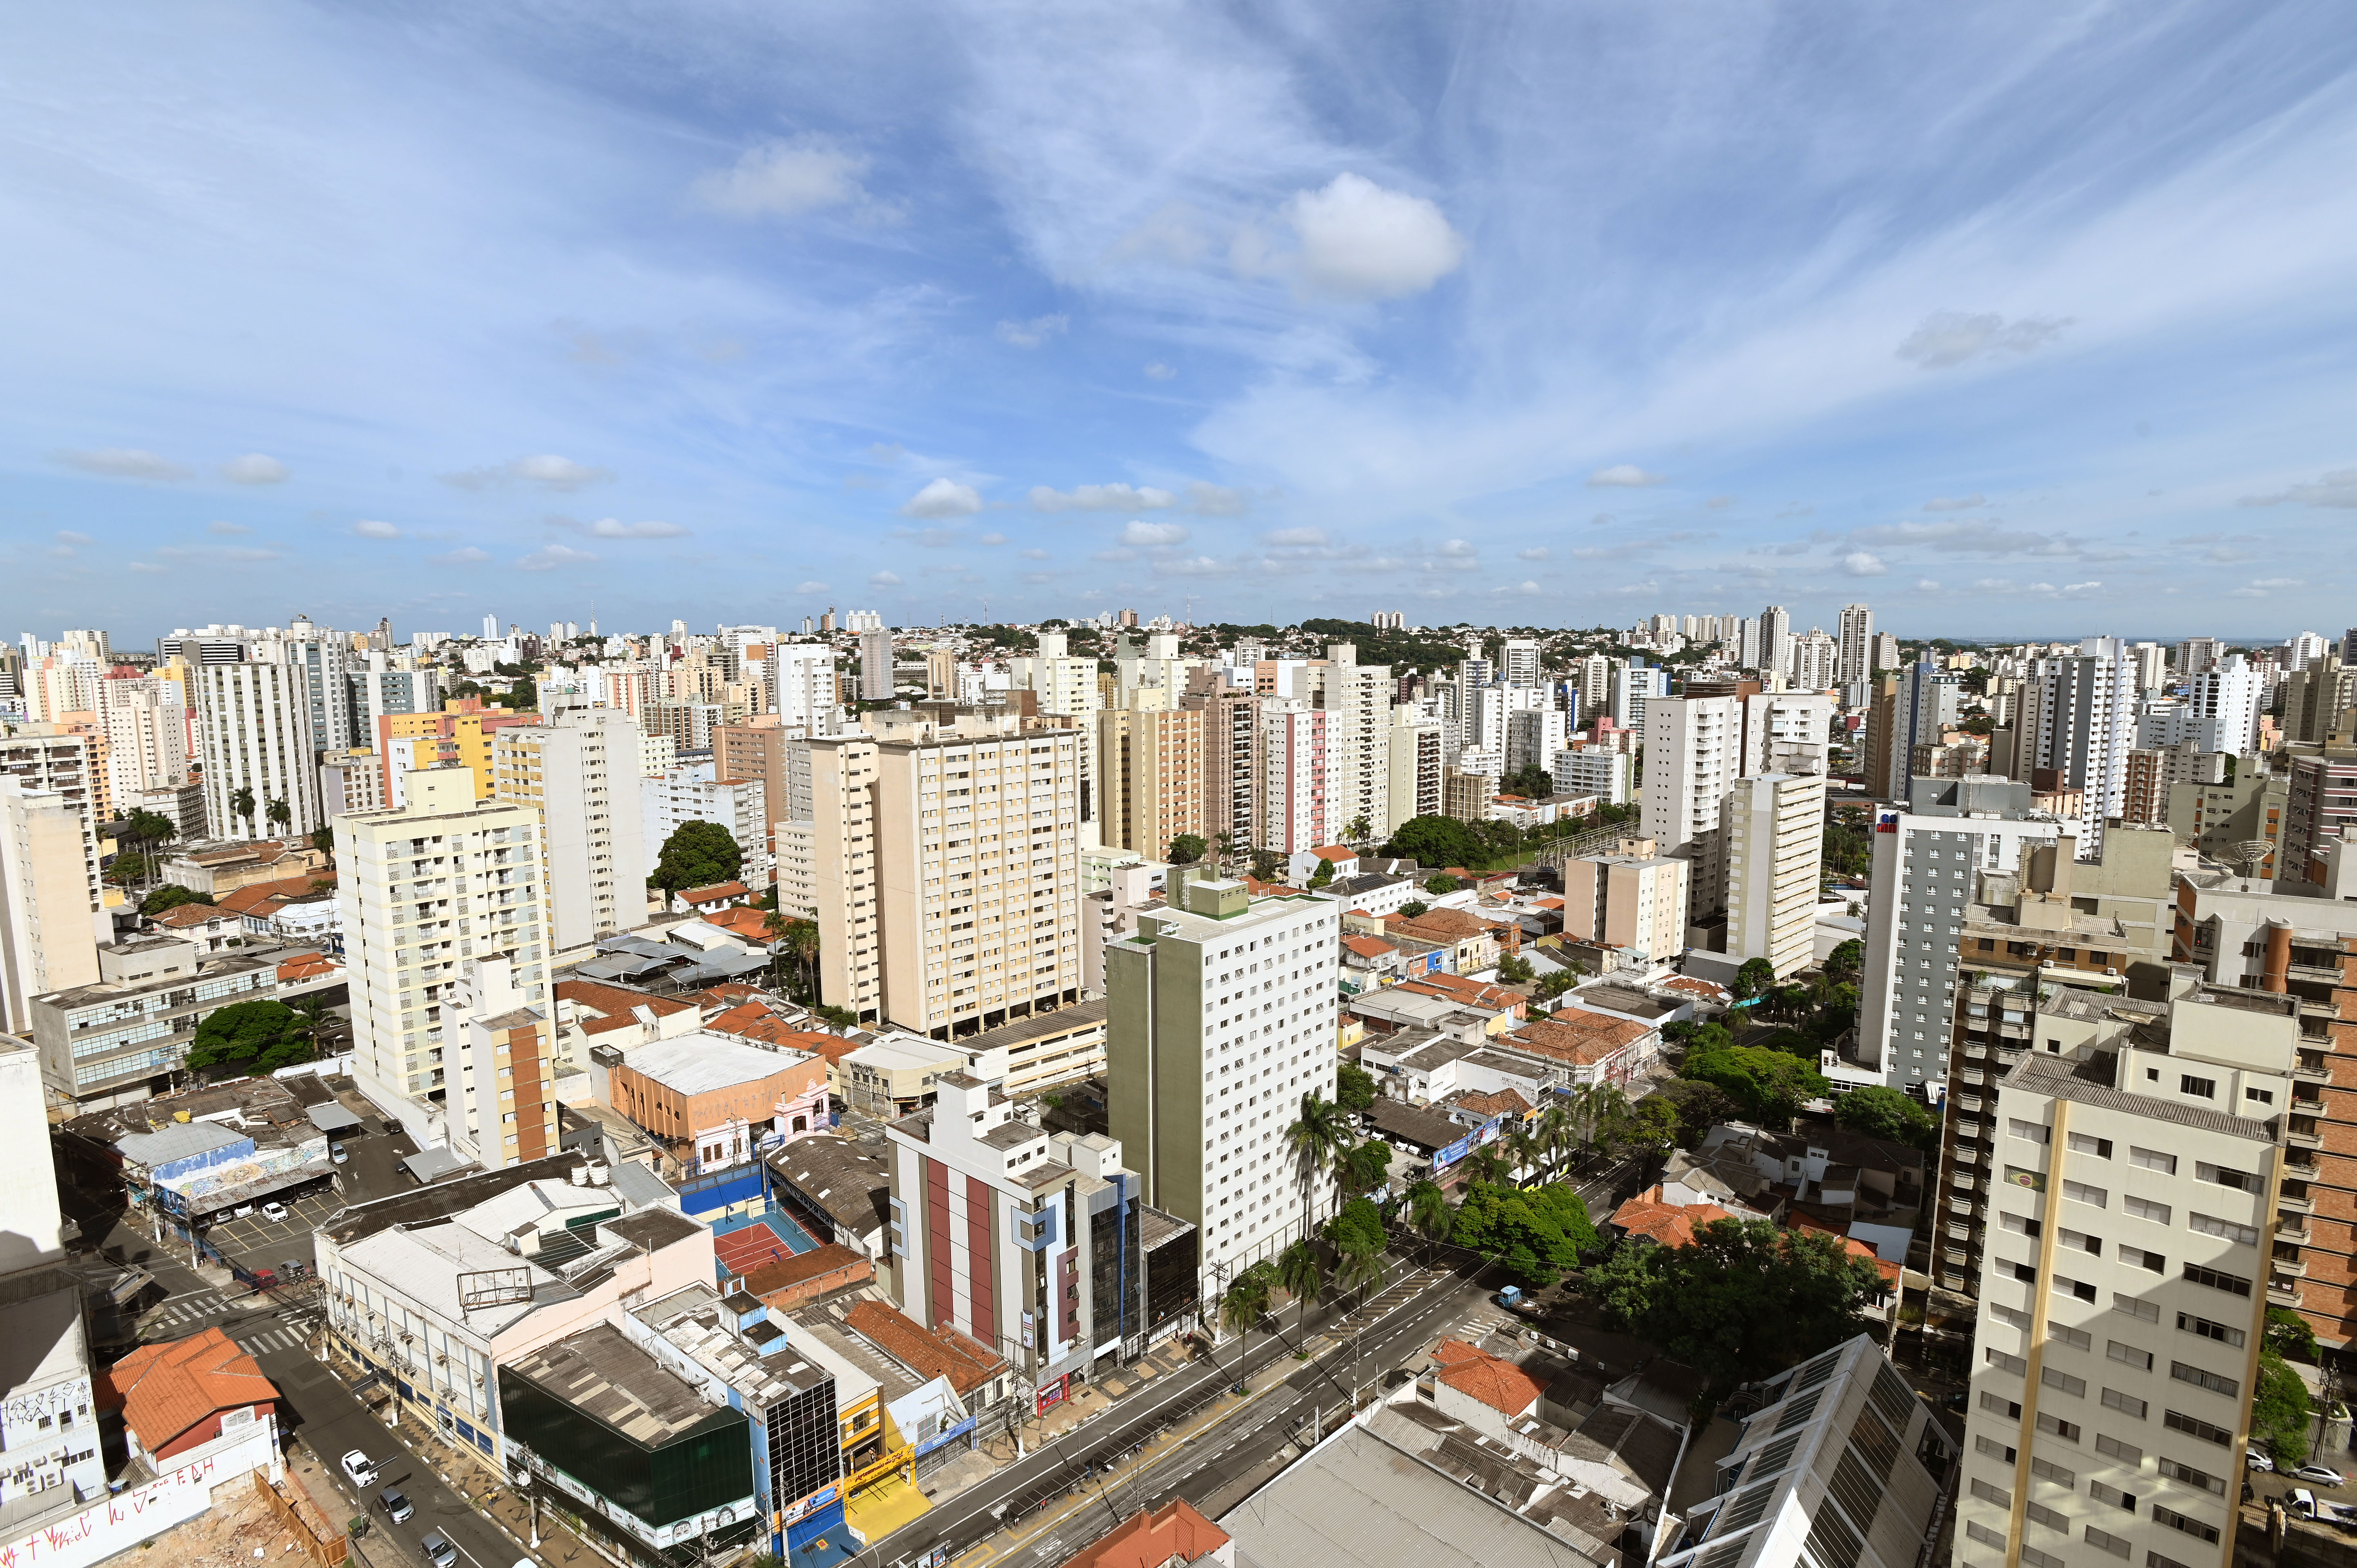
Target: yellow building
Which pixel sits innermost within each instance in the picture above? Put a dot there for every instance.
(467, 725)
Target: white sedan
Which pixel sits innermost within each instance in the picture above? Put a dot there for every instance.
(360, 1468)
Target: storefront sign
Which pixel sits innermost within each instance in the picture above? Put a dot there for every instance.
(1052, 1394)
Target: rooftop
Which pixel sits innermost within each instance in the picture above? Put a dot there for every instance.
(167, 1388)
(939, 1352)
(839, 1177)
(601, 1373)
(1153, 1539)
(702, 1062)
(1042, 1026)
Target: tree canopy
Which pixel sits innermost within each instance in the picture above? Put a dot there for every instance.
(1358, 1228)
(1538, 1233)
(1355, 1087)
(1187, 849)
(171, 895)
(1879, 1112)
(1769, 1085)
(1755, 978)
(1437, 841)
(256, 1037)
(1744, 1301)
(697, 855)
(2280, 1409)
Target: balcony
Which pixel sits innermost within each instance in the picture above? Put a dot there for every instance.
(2295, 1203)
(2286, 1268)
(2317, 1073)
(2294, 1230)
(2303, 1135)
(2282, 1292)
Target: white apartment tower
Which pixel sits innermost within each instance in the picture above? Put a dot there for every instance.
(1775, 828)
(49, 933)
(1297, 802)
(147, 720)
(1221, 1018)
(580, 772)
(1775, 640)
(445, 933)
(2124, 1290)
(876, 665)
(2085, 727)
(1415, 758)
(1357, 750)
(255, 738)
(1517, 661)
(2224, 702)
(1856, 660)
(807, 697)
(1787, 732)
(1693, 756)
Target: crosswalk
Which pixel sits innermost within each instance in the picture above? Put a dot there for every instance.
(271, 1339)
(190, 1309)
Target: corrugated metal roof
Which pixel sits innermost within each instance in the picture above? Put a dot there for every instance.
(177, 1142)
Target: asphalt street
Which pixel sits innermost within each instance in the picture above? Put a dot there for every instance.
(1392, 1328)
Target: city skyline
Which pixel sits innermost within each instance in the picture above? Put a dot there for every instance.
(470, 310)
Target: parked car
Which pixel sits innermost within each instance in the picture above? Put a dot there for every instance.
(336, 1153)
(438, 1549)
(396, 1505)
(2256, 1460)
(360, 1468)
(2322, 1475)
(2301, 1502)
(274, 1211)
(293, 1268)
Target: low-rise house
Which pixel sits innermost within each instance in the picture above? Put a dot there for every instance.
(177, 1396)
(1370, 964)
(709, 900)
(1474, 944)
(1157, 1537)
(209, 928)
(1584, 1048)
(1371, 892)
(1829, 1168)
(595, 1013)
(1302, 868)
(789, 1282)
(894, 1074)
(1408, 1006)
(1650, 1217)
(1422, 1067)
(836, 1188)
(709, 1099)
(221, 866)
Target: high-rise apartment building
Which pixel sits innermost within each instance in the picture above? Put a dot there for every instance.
(1929, 859)
(1886, 650)
(876, 665)
(1062, 684)
(445, 933)
(1221, 1018)
(2224, 702)
(2317, 699)
(325, 662)
(1775, 831)
(1595, 676)
(580, 771)
(67, 766)
(2319, 804)
(1855, 654)
(1230, 752)
(1593, 770)
(1775, 640)
(2196, 654)
(1693, 748)
(1787, 732)
(804, 693)
(1632, 900)
(2152, 668)
(1816, 661)
(1150, 777)
(1517, 661)
(685, 795)
(147, 724)
(1358, 740)
(1293, 793)
(2077, 727)
(1415, 752)
(255, 741)
(949, 841)
(48, 931)
(2124, 1284)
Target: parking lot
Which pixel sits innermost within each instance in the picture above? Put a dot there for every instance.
(258, 1242)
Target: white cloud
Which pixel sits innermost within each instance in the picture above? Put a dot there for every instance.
(149, 568)
(1947, 338)
(125, 463)
(227, 528)
(1624, 475)
(368, 527)
(1158, 372)
(1153, 535)
(1194, 566)
(550, 556)
(1460, 549)
(884, 580)
(1032, 333)
(1216, 500)
(812, 586)
(614, 528)
(787, 178)
(1983, 537)
(992, 539)
(1535, 553)
(1863, 564)
(1114, 555)
(1955, 503)
(1926, 585)
(2338, 488)
(465, 555)
(1527, 589)
(1362, 242)
(1037, 555)
(547, 470)
(253, 468)
(1295, 536)
(943, 497)
(1101, 497)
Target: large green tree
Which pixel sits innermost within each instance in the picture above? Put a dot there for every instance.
(1437, 841)
(252, 1036)
(1187, 849)
(1538, 1233)
(1886, 1114)
(1755, 978)
(1744, 1301)
(1355, 1087)
(1764, 1084)
(697, 855)
(171, 895)
(2280, 1411)
(1358, 1226)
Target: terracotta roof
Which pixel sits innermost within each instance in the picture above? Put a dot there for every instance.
(1473, 993)
(1151, 1539)
(1850, 1244)
(716, 893)
(1581, 1038)
(1698, 987)
(754, 1020)
(306, 966)
(1447, 926)
(1495, 1382)
(253, 893)
(1547, 903)
(1335, 852)
(1259, 890)
(612, 1004)
(786, 1272)
(180, 915)
(168, 1388)
(1495, 1102)
(930, 1353)
(1369, 947)
(1646, 1217)
(743, 921)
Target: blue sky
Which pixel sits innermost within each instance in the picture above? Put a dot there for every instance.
(2009, 319)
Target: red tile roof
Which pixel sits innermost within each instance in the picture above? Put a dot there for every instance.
(599, 1009)
(1496, 1382)
(1369, 947)
(794, 1269)
(717, 893)
(1582, 1039)
(1335, 852)
(1495, 1102)
(931, 1353)
(180, 915)
(306, 966)
(245, 898)
(742, 921)
(1645, 1217)
(169, 1389)
(1150, 1539)
(1472, 993)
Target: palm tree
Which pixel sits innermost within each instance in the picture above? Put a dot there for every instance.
(280, 814)
(1302, 1273)
(1366, 1164)
(1247, 1302)
(1608, 1111)
(1359, 1270)
(1485, 1164)
(1320, 1139)
(1524, 1153)
(1225, 843)
(1555, 1132)
(1428, 1211)
(240, 804)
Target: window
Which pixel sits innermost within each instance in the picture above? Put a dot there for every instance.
(2126, 1404)
(2014, 1364)
(2202, 1088)
(2206, 1533)
(2080, 1241)
(2145, 1209)
(2201, 1378)
(2224, 1334)
(2023, 1273)
(2144, 1260)
(2152, 1160)
(2018, 1225)
(2047, 1469)
(1996, 1404)
(2055, 1378)
(2079, 1192)
(2079, 1288)
(2033, 1558)
(2223, 1176)
(2127, 1453)
(2176, 1471)
(2028, 1132)
(2193, 1426)
(2146, 1310)
(2104, 1541)
(2211, 1225)
(1993, 1448)
(1989, 1494)
(1985, 1535)
(2112, 1494)
(2055, 1426)
(2264, 1096)
(2216, 1281)
(2129, 1355)
(2050, 1517)
(2080, 1144)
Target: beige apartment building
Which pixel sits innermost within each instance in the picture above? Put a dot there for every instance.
(446, 949)
(1633, 899)
(1150, 773)
(580, 772)
(1775, 831)
(47, 939)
